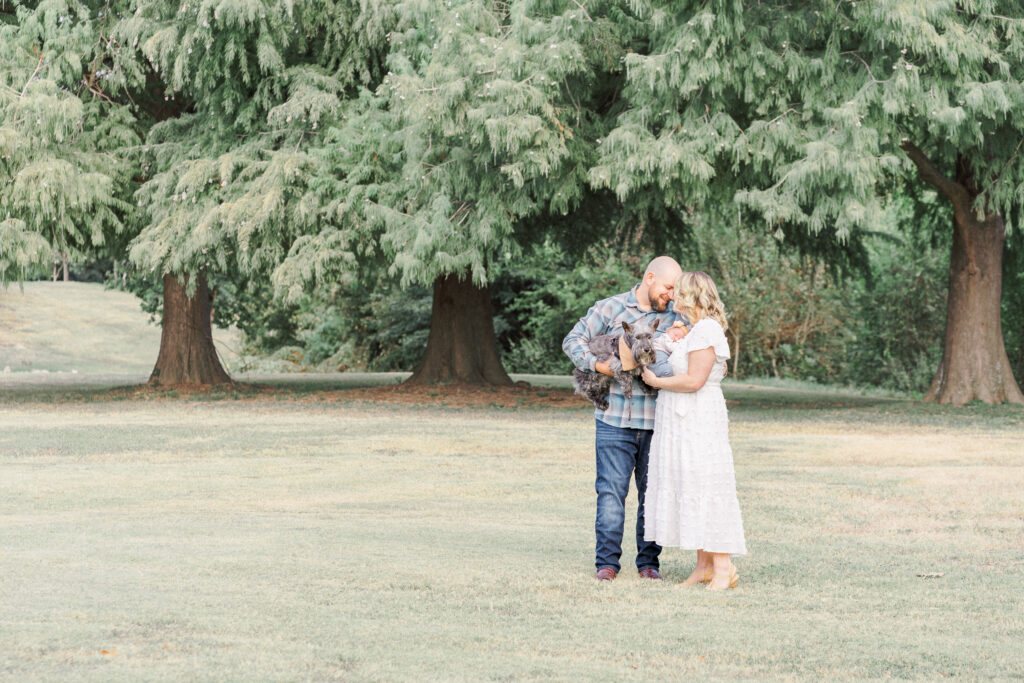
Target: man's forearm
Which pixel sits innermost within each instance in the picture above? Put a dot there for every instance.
(579, 353)
(577, 343)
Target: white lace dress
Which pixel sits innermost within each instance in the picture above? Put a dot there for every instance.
(691, 484)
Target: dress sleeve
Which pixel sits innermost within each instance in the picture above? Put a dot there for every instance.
(708, 333)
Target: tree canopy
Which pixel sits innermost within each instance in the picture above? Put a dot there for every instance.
(436, 141)
(62, 142)
(810, 116)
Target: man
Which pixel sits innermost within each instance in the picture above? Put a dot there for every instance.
(624, 430)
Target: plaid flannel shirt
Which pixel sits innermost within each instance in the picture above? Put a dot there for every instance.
(606, 317)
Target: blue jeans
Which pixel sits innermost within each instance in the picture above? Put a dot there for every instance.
(621, 454)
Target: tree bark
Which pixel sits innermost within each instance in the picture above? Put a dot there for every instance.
(462, 347)
(736, 356)
(974, 363)
(187, 355)
(64, 262)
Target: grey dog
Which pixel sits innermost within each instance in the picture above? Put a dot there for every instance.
(595, 386)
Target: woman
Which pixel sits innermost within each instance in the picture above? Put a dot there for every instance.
(691, 485)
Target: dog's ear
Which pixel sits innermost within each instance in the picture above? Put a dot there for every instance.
(626, 327)
(655, 325)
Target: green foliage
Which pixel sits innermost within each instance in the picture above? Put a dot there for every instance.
(247, 91)
(61, 184)
(900, 320)
(801, 112)
(373, 326)
(1013, 304)
(899, 309)
(339, 155)
(543, 294)
(482, 128)
(20, 249)
(785, 309)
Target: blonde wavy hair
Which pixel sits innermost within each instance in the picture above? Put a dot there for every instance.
(697, 290)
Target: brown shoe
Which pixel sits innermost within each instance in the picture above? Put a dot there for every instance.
(650, 573)
(605, 574)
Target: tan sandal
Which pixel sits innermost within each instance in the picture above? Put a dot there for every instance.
(708, 575)
(734, 579)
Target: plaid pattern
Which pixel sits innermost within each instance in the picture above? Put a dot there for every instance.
(606, 317)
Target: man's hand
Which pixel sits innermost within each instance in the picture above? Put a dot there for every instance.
(604, 368)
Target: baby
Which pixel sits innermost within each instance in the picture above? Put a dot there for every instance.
(666, 342)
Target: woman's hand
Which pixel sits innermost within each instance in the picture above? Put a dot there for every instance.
(651, 379)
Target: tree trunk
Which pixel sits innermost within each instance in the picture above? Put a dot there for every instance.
(64, 262)
(736, 357)
(462, 346)
(187, 354)
(974, 362)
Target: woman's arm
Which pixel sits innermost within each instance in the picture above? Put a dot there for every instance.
(700, 364)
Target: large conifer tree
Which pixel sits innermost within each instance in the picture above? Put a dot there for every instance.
(808, 113)
(239, 93)
(475, 144)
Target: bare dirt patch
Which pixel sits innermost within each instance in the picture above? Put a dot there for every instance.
(466, 396)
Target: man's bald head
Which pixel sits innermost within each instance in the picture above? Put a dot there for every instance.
(658, 283)
(664, 267)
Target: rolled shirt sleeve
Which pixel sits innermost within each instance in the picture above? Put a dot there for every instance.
(577, 343)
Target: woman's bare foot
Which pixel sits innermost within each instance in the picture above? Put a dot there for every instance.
(703, 571)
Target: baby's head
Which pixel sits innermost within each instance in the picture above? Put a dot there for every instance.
(677, 331)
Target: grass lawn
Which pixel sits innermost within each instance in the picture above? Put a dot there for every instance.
(322, 530)
(300, 535)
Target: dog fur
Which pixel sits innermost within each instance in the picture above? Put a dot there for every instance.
(595, 386)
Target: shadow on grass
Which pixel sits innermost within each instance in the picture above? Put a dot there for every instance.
(747, 401)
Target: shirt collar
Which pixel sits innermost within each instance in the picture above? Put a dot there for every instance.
(632, 301)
